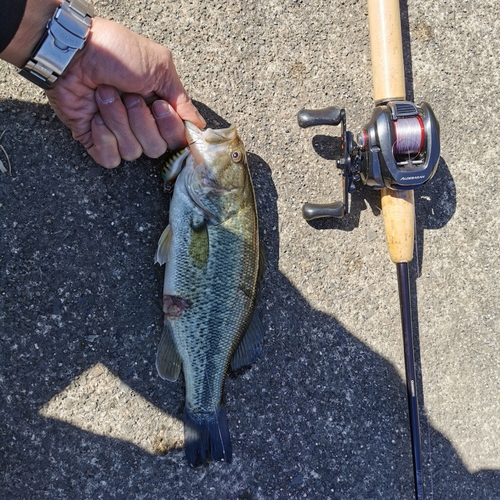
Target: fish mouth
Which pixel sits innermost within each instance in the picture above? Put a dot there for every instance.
(209, 135)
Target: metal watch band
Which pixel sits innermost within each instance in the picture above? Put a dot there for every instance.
(66, 33)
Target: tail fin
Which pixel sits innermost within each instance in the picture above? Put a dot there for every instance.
(206, 437)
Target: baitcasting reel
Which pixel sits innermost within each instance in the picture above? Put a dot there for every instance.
(398, 149)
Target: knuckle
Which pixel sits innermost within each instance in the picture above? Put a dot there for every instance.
(154, 153)
(132, 154)
(110, 163)
(105, 162)
(175, 143)
(168, 53)
(155, 149)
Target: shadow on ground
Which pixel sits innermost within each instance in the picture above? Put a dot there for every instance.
(319, 415)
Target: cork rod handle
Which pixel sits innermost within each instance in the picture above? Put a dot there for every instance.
(386, 44)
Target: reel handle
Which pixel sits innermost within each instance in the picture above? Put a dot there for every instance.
(314, 117)
(311, 211)
(327, 116)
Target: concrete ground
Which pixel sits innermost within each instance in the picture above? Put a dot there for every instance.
(323, 412)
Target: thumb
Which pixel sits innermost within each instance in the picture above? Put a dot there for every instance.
(188, 112)
(175, 94)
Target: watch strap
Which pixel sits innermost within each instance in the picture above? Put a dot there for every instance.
(66, 33)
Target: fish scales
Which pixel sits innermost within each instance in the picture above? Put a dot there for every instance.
(211, 255)
(208, 333)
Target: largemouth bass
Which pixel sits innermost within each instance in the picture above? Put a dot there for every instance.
(211, 254)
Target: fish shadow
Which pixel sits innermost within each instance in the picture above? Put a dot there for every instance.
(319, 414)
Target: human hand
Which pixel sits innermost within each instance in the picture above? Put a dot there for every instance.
(104, 95)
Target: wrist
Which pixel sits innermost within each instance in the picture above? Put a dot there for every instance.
(30, 31)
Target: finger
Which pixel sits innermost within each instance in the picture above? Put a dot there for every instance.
(169, 124)
(174, 93)
(187, 111)
(143, 125)
(105, 148)
(115, 117)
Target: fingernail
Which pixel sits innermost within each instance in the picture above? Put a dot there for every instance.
(98, 119)
(202, 120)
(161, 109)
(131, 102)
(106, 94)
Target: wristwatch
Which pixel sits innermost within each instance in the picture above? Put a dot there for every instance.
(66, 33)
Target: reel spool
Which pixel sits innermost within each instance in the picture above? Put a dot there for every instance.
(410, 136)
(398, 149)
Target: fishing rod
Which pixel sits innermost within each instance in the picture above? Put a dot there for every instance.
(396, 152)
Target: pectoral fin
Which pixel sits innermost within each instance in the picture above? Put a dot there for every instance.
(250, 345)
(168, 361)
(163, 246)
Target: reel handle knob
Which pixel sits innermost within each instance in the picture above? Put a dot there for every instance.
(311, 211)
(313, 117)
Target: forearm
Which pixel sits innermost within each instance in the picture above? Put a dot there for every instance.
(31, 29)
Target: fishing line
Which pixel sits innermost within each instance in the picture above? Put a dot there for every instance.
(410, 136)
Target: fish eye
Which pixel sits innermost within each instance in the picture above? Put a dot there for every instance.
(236, 156)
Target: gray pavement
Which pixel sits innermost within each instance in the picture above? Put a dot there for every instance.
(322, 414)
